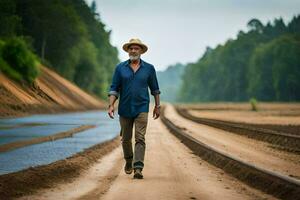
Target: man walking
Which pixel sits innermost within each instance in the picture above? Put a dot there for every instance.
(130, 84)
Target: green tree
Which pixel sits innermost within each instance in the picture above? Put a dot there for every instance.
(18, 61)
(277, 70)
(10, 22)
(261, 63)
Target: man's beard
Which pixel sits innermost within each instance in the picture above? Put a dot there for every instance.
(133, 58)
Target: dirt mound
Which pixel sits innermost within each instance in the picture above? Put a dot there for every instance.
(50, 93)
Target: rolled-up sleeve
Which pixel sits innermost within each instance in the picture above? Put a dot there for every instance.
(153, 83)
(115, 86)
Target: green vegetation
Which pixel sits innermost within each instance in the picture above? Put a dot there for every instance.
(253, 104)
(263, 63)
(68, 35)
(274, 70)
(18, 61)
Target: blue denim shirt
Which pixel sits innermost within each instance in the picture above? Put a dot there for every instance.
(132, 88)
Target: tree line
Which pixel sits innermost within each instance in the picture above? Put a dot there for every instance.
(262, 63)
(66, 35)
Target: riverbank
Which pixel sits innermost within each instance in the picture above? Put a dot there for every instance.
(31, 180)
(50, 93)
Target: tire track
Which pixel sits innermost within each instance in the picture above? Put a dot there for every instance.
(267, 181)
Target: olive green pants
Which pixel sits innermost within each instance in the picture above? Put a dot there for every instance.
(140, 126)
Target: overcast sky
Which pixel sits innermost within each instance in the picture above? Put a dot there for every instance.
(180, 30)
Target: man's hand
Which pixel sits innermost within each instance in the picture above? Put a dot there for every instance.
(156, 112)
(111, 111)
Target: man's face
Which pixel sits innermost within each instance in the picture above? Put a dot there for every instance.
(134, 52)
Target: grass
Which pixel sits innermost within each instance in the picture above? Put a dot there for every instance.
(253, 103)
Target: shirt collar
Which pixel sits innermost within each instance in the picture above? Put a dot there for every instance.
(142, 63)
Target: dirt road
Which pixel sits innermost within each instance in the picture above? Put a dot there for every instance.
(250, 150)
(171, 172)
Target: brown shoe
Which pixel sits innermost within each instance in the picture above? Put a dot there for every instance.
(138, 174)
(128, 168)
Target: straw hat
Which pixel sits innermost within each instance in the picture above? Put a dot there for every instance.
(137, 42)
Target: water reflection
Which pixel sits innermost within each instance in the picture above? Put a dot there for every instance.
(45, 153)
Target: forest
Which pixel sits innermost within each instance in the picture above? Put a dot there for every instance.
(262, 63)
(68, 36)
(65, 35)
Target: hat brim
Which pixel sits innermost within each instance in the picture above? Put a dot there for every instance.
(126, 46)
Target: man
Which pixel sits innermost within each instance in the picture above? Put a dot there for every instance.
(130, 84)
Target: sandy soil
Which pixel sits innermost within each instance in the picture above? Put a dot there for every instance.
(263, 117)
(268, 113)
(33, 179)
(261, 106)
(93, 182)
(49, 94)
(250, 150)
(171, 172)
